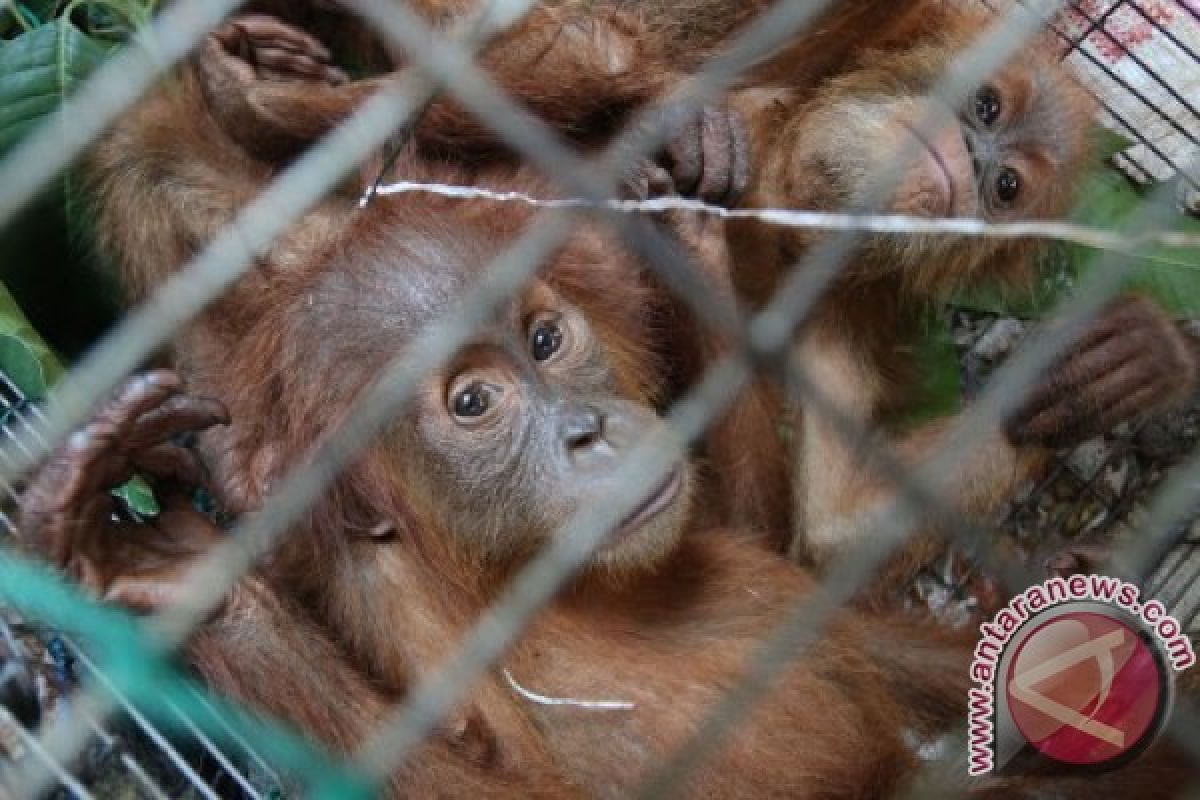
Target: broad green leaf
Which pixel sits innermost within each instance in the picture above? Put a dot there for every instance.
(1170, 275)
(38, 70)
(1107, 143)
(938, 392)
(19, 343)
(1107, 201)
(32, 14)
(21, 364)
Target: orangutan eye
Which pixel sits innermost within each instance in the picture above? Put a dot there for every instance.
(546, 340)
(473, 401)
(1008, 186)
(988, 106)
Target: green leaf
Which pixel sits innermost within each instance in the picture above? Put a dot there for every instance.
(32, 13)
(938, 392)
(21, 364)
(38, 70)
(1107, 143)
(138, 497)
(1169, 275)
(1107, 201)
(23, 354)
(1057, 276)
(26, 359)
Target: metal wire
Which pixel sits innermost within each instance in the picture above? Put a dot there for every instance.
(767, 335)
(1101, 26)
(17, 412)
(189, 613)
(197, 284)
(1078, 46)
(860, 566)
(151, 732)
(1174, 502)
(488, 639)
(52, 764)
(211, 579)
(247, 237)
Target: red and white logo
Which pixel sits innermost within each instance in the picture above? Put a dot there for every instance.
(1076, 671)
(1085, 688)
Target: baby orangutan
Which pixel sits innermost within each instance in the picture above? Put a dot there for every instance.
(853, 96)
(828, 113)
(523, 429)
(1013, 151)
(527, 425)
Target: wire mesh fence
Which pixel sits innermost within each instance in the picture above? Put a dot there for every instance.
(227, 755)
(1107, 35)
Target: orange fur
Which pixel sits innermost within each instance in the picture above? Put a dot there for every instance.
(370, 609)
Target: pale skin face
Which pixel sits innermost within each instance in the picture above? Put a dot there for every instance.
(525, 428)
(1011, 150)
(997, 156)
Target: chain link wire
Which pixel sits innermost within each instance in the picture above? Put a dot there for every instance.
(763, 343)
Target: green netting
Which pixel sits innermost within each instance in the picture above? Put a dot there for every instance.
(139, 668)
(127, 654)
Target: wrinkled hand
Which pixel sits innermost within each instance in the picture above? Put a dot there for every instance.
(707, 157)
(257, 47)
(69, 517)
(1131, 362)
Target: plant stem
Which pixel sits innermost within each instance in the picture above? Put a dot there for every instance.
(15, 10)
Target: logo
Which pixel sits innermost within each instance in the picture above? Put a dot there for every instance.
(1075, 674)
(1086, 688)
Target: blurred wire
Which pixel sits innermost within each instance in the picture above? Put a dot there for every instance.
(768, 335)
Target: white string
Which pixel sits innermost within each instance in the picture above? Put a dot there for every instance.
(874, 223)
(543, 700)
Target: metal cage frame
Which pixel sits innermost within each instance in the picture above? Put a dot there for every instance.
(448, 63)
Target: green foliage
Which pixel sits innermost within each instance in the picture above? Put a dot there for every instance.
(1107, 143)
(938, 389)
(38, 70)
(24, 16)
(1106, 200)
(110, 19)
(47, 48)
(23, 355)
(26, 359)
(19, 362)
(1170, 275)
(135, 663)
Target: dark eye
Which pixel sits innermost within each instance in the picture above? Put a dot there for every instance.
(1008, 186)
(988, 106)
(547, 338)
(472, 401)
